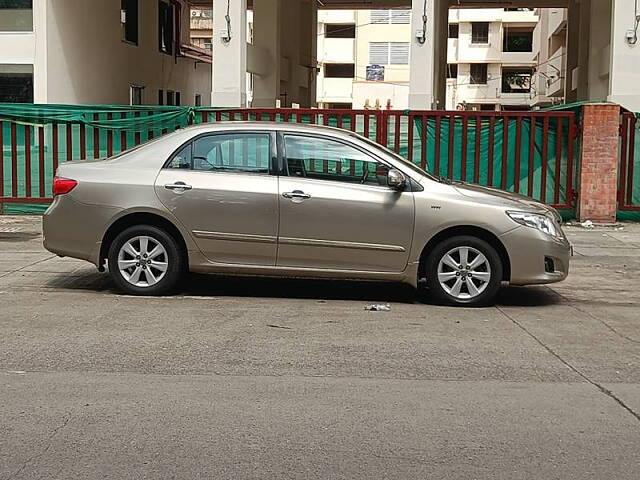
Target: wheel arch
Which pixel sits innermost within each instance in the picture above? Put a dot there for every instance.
(469, 230)
(140, 218)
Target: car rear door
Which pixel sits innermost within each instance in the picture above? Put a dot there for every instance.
(223, 189)
(336, 210)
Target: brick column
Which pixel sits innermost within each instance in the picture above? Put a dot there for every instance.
(598, 180)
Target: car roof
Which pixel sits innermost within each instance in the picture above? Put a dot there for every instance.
(280, 126)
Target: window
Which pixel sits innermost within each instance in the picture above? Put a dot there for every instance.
(233, 152)
(335, 30)
(339, 106)
(479, 32)
(160, 97)
(397, 16)
(400, 16)
(165, 27)
(177, 99)
(452, 70)
(16, 15)
(198, 100)
(207, 43)
(170, 98)
(516, 80)
(129, 20)
(322, 159)
(16, 83)
(454, 30)
(399, 53)
(378, 53)
(478, 73)
(135, 94)
(339, 70)
(517, 39)
(380, 16)
(182, 159)
(388, 53)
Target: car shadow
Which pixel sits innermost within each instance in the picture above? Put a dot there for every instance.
(200, 285)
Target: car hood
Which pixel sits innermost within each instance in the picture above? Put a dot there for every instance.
(500, 197)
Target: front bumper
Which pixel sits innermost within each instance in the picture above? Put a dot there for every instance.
(535, 257)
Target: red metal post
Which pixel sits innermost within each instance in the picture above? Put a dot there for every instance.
(532, 150)
(545, 160)
(492, 136)
(41, 164)
(14, 161)
(516, 166)
(476, 160)
(27, 160)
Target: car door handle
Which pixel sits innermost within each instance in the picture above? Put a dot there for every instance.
(178, 186)
(296, 194)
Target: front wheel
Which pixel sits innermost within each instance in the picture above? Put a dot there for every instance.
(145, 260)
(464, 271)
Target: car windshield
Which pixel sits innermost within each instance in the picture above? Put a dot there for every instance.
(404, 161)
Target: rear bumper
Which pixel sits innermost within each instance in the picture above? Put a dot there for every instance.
(74, 229)
(536, 258)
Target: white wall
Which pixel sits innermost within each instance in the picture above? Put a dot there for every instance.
(78, 55)
(624, 58)
(89, 63)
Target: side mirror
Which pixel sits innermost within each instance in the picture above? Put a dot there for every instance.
(396, 179)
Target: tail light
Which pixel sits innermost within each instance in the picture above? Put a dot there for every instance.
(63, 185)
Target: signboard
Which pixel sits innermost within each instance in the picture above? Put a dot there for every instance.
(375, 73)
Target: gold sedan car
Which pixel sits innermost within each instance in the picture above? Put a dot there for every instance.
(296, 201)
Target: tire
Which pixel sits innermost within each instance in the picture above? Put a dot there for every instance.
(451, 283)
(151, 275)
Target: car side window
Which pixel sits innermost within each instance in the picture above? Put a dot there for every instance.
(325, 159)
(181, 159)
(233, 152)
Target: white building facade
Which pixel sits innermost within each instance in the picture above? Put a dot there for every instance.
(99, 52)
(364, 58)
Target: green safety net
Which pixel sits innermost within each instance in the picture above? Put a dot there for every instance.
(524, 171)
(633, 215)
(86, 131)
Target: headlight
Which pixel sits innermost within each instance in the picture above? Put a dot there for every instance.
(537, 221)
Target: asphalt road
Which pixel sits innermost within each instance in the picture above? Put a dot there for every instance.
(258, 378)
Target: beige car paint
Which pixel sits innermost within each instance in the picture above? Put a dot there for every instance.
(231, 222)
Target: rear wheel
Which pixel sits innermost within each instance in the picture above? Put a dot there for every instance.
(464, 271)
(145, 260)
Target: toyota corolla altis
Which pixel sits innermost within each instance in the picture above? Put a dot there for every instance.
(296, 201)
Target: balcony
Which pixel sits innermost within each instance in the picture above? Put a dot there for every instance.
(556, 73)
(335, 90)
(337, 50)
(557, 20)
(452, 50)
(517, 58)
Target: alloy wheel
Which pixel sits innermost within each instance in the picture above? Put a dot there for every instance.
(142, 261)
(464, 272)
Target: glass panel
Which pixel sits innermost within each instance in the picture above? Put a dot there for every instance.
(16, 83)
(16, 15)
(310, 157)
(238, 152)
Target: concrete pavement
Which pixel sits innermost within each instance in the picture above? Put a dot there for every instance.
(262, 378)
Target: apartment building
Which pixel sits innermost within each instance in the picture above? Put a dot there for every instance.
(491, 58)
(550, 55)
(100, 52)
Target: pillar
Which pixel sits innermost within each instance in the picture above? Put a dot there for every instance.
(624, 57)
(598, 179)
(283, 56)
(427, 81)
(229, 54)
(266, 41)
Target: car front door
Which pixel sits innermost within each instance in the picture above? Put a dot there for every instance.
(221, 188)
(336, 210)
